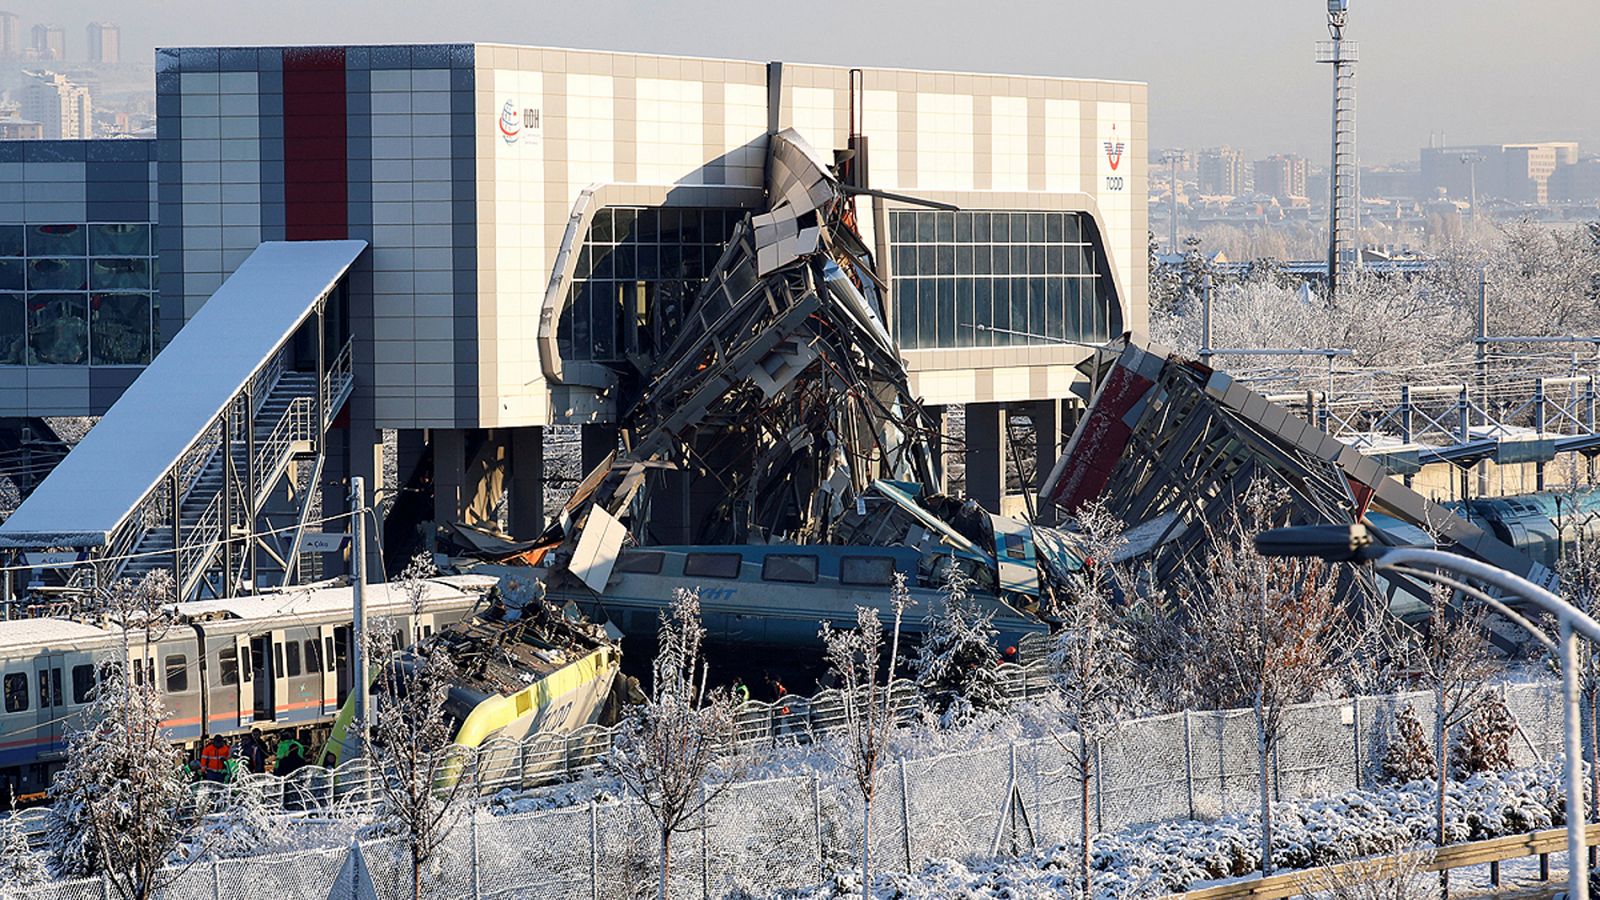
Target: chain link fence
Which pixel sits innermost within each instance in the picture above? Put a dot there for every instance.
(765, 836)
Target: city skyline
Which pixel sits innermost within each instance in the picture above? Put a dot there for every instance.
(1211, 82)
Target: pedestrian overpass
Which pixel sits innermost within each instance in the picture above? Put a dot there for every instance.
(193, 469)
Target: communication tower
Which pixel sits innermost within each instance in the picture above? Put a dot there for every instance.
(1344, 186)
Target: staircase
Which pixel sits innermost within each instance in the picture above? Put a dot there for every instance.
(284, 428)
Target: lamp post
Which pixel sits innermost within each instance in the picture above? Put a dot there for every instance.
(1354, 543)
(1172, 158)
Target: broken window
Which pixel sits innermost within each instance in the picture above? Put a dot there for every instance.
(797, 568)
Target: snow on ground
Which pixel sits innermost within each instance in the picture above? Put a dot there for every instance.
(1157, 859)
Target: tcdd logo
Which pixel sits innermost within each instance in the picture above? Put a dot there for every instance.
(513, 120)
(1114, 149)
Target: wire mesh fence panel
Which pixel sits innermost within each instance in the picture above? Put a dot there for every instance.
(955, 802)
(842, 822)
(1047, 780)
(1378, 725)
(390, 865)
(1142, 774)
(82, 889)
(1537, 711)
(303, 874)
(200, 881)
(540, 759)
(628, 855)
(544, 855)
(1226, 763)
(449, 873)
(1316, 751)
(762, 838)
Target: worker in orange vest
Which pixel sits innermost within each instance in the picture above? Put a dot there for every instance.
(214, 759)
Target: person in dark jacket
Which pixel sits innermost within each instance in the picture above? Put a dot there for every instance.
(254, 751)
(291, 754)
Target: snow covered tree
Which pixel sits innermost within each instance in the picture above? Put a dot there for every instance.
(1486, 736)
(20, 866)
(856, 659)
(957, 663)
(122, 807)
(1092, 660)
(1408, 756)
(426, 785)
(674, 752)
(1265, 632)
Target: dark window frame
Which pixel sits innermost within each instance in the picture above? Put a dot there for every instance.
(844, 570)
(8, 685)
(711, 565)
(84, 683)
(803, 560)
(175, 675)
(640, 562)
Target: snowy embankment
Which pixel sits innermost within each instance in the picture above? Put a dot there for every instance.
(1150, 861)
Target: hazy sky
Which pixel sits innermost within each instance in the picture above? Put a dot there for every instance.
(1229, 71)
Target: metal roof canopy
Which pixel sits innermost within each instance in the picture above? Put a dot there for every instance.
(183, 390)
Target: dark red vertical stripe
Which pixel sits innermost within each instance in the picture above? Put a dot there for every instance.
(315, 168)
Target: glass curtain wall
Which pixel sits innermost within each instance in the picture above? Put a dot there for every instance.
(77, 294)
(999, 279)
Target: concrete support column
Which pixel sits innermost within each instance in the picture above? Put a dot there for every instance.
(940, 439)
(527, 481)
(1046, 449)
(411, 446)
(449, 473)
(596, 441)
(985, 456)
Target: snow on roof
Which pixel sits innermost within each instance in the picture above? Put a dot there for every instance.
(179, 394)
(323, 600)
(50, 632)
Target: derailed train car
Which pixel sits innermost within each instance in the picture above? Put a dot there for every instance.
(522, 666)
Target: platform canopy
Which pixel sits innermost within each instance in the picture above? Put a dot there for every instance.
(177, 397)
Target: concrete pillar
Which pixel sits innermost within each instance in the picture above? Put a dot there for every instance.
(940, 440)
(985, 456)
(411, 447)
(449, 473)
(1046, 419)
(596, 441)
(527, 481)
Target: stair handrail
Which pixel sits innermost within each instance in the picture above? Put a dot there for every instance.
(200, 542)
(337, 381)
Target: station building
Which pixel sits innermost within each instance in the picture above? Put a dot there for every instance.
(532, 215)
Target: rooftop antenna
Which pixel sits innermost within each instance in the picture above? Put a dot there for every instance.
(1344, 188)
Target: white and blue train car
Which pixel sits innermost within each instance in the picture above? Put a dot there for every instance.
(272, 661)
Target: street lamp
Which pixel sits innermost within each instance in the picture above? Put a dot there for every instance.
(1354, 543)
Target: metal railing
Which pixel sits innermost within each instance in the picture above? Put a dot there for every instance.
(771, 834)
